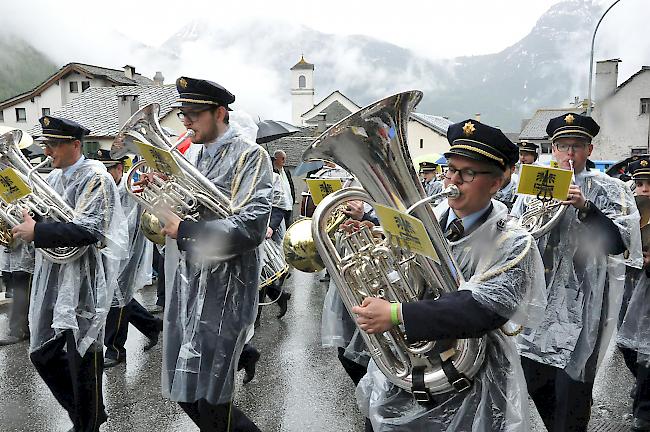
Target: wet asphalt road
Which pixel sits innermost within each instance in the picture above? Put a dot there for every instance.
(299, 386)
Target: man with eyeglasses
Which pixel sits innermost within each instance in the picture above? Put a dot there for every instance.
(70, 301)
(214, 264)
(502, 273)
(560, 357)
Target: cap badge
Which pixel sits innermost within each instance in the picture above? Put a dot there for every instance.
(46, 121)
(644, 163)
(182, 82)
(569, 119)
(469, 128)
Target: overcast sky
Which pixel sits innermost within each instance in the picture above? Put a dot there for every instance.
(85, 31)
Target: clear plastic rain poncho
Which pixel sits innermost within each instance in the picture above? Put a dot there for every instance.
(508, 194)
(504, 272)
(135, 270)
(634, 332)
(433, 187)
(585, 286)
(210, 304)
(17, 258)
(77, 295)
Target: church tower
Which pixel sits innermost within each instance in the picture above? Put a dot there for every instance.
(302, 90)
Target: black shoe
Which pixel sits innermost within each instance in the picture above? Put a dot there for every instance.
(9, 294)
(282, 303)
(10, 340)
(111, 362)
(152, 342)
(639, 424)
(249, 368)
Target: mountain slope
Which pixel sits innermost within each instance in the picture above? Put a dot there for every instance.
(23, 67)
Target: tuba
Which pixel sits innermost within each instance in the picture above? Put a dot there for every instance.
(42, 202)
(371, 145)
(187, 192)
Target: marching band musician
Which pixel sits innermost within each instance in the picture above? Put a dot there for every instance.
(633, 337)
(431, 184)
(500, 284)
(508, 192)
(17, 266)
(560, 357)
(134, 274)
(528, 152)
(214, 265)
(70, 301)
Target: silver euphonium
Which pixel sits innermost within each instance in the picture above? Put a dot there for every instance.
(43, 201)
(371, 145)
(188, 193)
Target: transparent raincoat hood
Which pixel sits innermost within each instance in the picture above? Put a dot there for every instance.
(504, 272)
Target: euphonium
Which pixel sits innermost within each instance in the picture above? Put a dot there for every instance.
(43, 201)
(542, 215)
(371, 145)
(187, 193)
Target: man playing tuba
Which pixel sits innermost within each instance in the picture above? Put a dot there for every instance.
(214, 265)
(70, 301)
(503, 281)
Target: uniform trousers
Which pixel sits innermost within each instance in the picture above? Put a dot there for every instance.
(641, 404)
(75, 381)
(218, 418)
(563, 403)
(20, 284)
(117, 327)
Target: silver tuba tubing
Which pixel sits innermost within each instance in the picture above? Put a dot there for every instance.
(371, 145)
(43, 201)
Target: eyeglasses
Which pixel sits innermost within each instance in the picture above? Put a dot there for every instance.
(564, 147)
(467, 175)
(53, 144)
(191, 115)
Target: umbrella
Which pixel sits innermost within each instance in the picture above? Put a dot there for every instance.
(306, 167)
(442, 161)
(269, 130)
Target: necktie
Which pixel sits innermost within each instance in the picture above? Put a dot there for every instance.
(455, 230)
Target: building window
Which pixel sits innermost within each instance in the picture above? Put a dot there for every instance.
(421, 143)
(90, 148)
(45, 111)
(2, 116)
(546, 148)
(302, 81)
(638, 151)
(645, 105)
(85, 85)
(74, 87)
(21, 115)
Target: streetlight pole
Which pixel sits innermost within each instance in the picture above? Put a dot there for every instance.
(591, 58)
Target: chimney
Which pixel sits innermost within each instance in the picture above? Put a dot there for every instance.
(158, 79)
(477, 117)
(129, 71)
(606, 78)
(321, 122)
(127, 105)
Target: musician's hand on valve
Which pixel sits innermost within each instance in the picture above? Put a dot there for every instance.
(373, 316)
(354, 209)
(25, 231)
(575, 197)
(171, 221)
(269, 232)
(146, 178)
